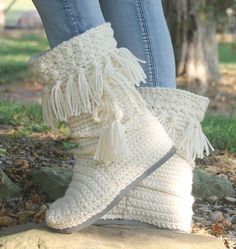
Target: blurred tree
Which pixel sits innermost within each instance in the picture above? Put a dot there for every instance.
(192, 25)
(10, 5)
(2, 15)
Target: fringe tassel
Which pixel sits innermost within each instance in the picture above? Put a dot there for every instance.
(116, 76)
(130, 66)
(169, 123)
(82, 93)
(112, 143)
(58, 103)
(80, 96)
(97, 80)
(195, 142)
(72, 97)
(48, 115)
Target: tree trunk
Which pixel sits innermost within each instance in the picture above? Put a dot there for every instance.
(193, 31)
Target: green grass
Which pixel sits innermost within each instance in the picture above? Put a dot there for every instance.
(221, 132)
(27, 117)
(17, 9)
(15, 54)
(227, 54)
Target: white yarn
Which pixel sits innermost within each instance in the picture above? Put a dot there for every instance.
(58, 103)
(77, 86)
(110, 110)
(169, 123)
(164, 198)
(112, 144)
(71, 96)
(181, 113)
(82, 89)
(48, 117)
(94, 185)
(131, 69)
(158, 208)
(194, 142)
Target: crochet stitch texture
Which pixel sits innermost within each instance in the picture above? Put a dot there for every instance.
(90, 84)
(164, 198)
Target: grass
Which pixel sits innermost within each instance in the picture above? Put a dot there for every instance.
(15, 54)
(26, 116)
(227, 54)
(221, 132)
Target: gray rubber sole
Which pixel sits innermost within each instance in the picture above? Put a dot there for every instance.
(122, 193)
(124, 223)
(131, 223)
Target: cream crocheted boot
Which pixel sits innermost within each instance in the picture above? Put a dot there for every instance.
(164, 199)
(90, 84)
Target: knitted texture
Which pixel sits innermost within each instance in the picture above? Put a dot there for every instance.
(78, 72)
(154, 207)
(181, 113)
(90, 84)
(164, 198)
(94, 184)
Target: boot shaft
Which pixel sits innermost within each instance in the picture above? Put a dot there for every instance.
(181, 113)
(89, 81)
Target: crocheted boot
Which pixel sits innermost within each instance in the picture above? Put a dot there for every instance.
(164, 199)
(90, 84)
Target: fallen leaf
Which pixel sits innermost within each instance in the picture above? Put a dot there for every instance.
(36, 199)
(7, 221)
(24, 216)
(39, 217)
(22, 163)
(217, 229)
(227, 223)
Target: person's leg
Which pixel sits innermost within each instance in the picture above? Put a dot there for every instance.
(141, 27)
(64, 19)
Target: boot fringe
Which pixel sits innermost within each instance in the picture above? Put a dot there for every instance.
(169, 122)
(82, 93)
(112, 143)
(193, 142)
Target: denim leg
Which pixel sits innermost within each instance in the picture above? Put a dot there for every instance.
(140, 26)
(63, 19)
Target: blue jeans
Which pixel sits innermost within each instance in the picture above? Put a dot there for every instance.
(139, 25)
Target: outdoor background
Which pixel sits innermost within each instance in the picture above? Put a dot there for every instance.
(204, 38)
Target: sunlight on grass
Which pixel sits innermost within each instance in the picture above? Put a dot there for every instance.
(25, 115)
(15, 54)
(26, 118)
(227, 54)
(221, 132)
(228, 66)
